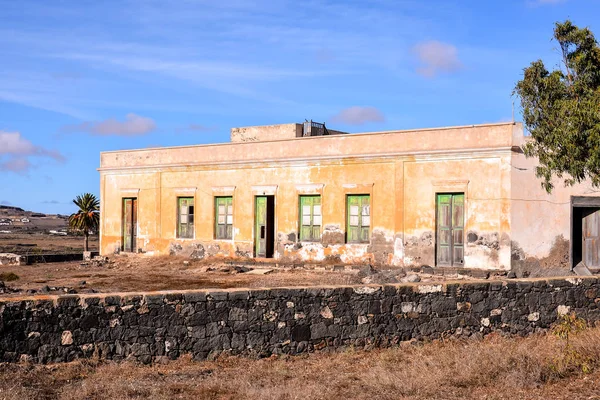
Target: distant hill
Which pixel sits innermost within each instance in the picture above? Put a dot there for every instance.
(11, 208)
(17, 219)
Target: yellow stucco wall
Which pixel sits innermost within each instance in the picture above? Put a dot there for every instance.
(402, 171)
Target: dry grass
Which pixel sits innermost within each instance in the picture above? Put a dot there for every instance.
(41, 243)
(537, 367)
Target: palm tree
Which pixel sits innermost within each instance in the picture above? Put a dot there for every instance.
(87, 218)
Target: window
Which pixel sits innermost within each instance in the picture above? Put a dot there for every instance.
(224, 217)
(310, 218)
(359, 218)
(185, 213)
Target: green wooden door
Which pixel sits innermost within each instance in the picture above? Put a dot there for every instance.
(260, 227)
(450, 229)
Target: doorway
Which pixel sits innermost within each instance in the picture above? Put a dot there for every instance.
(450, 228)
(585, 232)
(129, 224)
(264, 226)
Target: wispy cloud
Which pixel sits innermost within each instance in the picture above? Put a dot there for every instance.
(51, 202)
(16, 152)
(18, 165)
(358, 115)
(133, 125)
(436, 57)
(5, 203)
(251, 53)
(542, 2)
(196, 128)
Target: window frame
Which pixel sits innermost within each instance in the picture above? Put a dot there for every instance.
(228, 202)
(191, 203)
(312, 214)
(359, 227)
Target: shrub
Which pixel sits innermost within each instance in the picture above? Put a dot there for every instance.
(8, 276)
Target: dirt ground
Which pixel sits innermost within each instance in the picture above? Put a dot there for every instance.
(31, 242)
(537, 367)
(139, 273)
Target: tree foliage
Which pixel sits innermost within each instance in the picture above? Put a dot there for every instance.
(87, 218)
(561, 109)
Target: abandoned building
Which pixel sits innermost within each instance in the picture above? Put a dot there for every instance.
(462, 196)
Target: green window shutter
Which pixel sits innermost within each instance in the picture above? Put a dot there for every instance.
(359, 218)
(185, 217)
(365, 218)
(317, 218)
(310, 217)
(224, 217)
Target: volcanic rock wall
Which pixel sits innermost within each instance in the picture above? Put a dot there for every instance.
(147, 327)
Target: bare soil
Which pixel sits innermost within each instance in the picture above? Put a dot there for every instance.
(537, 367)
(140, 273)
(143, 274)
(36, 242)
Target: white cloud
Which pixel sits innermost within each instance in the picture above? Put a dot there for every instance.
(16, 151)
(133, 125)
(358, 115)
(436, 57)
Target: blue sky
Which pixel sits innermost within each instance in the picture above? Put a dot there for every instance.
(81, 77)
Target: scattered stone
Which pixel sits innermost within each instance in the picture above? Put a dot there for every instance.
(426, 269)
(412, 278)
(511, 275)
(45, 289)
(241, 269)
(480, 274)
(259, 271)
(186, 263)
(82, 283)
(366, 270)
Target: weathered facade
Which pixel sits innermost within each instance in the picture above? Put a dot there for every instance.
(458, 196)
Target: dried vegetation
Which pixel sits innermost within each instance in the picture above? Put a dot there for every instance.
(536, 367)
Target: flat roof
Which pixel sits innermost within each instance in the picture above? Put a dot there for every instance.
(313, 137)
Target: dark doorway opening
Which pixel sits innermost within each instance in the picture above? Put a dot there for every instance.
(264, 229)
(585, 232)
(129, 225)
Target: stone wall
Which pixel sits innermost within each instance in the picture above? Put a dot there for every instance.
(151, 326)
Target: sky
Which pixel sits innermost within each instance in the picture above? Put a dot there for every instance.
(81, 77)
